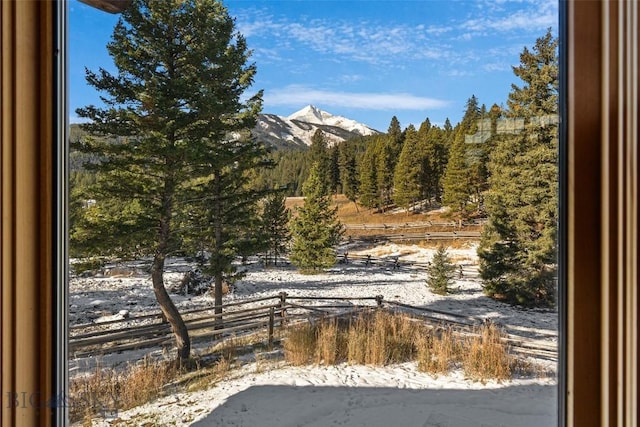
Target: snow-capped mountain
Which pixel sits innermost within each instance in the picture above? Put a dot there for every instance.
(298, 128)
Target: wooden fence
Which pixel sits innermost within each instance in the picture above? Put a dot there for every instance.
(266, 313)
(416, 224)
(420, 237)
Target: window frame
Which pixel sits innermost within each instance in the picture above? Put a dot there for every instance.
(598, 229)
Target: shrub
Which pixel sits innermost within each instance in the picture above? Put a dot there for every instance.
(440, 272)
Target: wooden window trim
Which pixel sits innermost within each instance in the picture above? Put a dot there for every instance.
(599, 233)
(601, 188)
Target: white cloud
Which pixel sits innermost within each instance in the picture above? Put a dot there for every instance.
(441, 45)
(373, 43)
(296, 95)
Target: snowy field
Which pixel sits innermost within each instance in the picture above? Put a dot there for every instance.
(280, 395)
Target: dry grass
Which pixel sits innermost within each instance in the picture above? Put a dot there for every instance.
(381, 338)
(107, 390)
(485, 356)
(437, 351)
(374, 338)
(349, 214)
(450, 244)
(300, 346)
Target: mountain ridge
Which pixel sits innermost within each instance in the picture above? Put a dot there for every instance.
(297, 129)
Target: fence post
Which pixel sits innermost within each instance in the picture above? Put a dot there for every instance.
(379, 299)
(283, 307)
(271, 322)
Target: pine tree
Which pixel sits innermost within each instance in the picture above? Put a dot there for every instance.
(518, 248)
(395, 135)
(440, 272)
(456, 190)
(226, 204)
(348, 172)
(447, 126)
(275, 226)
(386, 159)
(368, 189)
(457, 180)
(334, 170)
(407, 188)
(432, 151)
(177, 96)
(316, 230)
(319, 153)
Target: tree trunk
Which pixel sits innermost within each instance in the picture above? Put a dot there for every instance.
(217, 273)
(218, 300)
(169, 310)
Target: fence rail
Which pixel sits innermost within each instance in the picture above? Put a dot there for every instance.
(412, 237)
(94, 340)
(416, 224)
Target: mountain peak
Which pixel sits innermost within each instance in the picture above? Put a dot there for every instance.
(310, 114)
(299, 127)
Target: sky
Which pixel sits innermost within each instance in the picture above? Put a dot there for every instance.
(367, 60)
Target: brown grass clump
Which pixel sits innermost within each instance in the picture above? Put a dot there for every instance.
(381, 338)
(331, 343)
(485, 356)
(377, 338)
(438, 351)
(108, 391)
(300, 345)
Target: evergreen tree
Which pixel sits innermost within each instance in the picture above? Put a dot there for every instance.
(407, 174)
(316, 230)
(368, 189)
(319, 153)
(477, 158)
(334, 170)
(456, 190)
(386, 157)
(518, 248)
(275, 226)
(447, 126)
(348, 172)
(432, 152)
(177, 96)
(457, 180)
(395, 134)
(440, 272)
(227, 205)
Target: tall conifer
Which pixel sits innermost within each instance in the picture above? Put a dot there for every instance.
(178, 95)
(407, 189)
(518, 247)
(457, 179)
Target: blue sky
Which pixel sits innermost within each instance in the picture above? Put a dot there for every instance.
(367, 60)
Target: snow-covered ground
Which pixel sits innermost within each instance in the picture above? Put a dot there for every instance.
(340, 395)
(346, 395)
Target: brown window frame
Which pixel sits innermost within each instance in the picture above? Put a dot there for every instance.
(599, 196)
